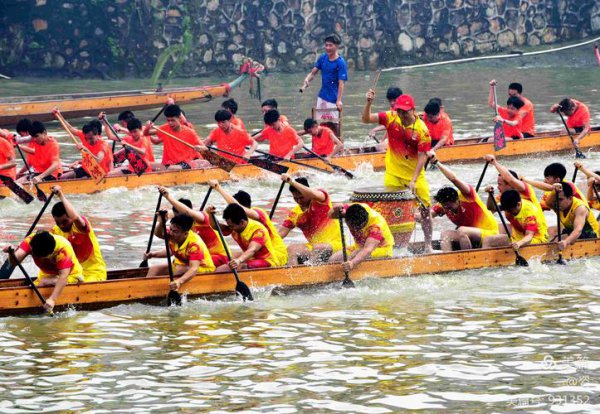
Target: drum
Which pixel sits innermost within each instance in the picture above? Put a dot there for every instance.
(397, 207)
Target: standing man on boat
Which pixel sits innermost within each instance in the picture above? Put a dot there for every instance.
(55, 258)
(474, 222)
(79, 232)
(578, 117)
(43, 156)
(311, 216)
(334, 72)
(409, 142)
(231, 138)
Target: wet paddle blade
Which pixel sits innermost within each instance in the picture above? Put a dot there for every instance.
(136, 162)
(6, 270)
(218, 161)
(41, 195)
(144, 263)
(579, 154)
(173, 298)
(16, 189)
(499, 138)
(561, 261)
(92, 166)
(269, 165)
(243, 290)
(348, 283)
(520, 260)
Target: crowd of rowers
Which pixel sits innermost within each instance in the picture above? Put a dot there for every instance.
(70, 252)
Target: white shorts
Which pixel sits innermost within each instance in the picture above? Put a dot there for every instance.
(321, 115)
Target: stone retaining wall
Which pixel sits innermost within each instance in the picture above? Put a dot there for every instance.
(125, 37)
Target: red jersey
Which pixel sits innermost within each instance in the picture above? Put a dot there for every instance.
(580, 118)
(322, 144)
(175, 152)
(281, 142)
(44, 156)
(143, 142)
(314, 222)
(237, 122)
(509, 130)
(209, 236)
(441, 128)
(234, 141)
(472, 212)
(528, 120)
(97, 148)
(7, 154)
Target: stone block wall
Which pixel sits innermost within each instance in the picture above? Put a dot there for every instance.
(114, 38)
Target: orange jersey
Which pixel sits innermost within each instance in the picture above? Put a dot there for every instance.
(143, 142)
(209, 236)
(472, 212)
(63, 257)
(97, 148)
(528, 120)
(509, 130)
(322, 144)
(280, 142)
(44, 156)
(7, 154)
(175, 152)
(315, 223)
(441, 128)
(237, 122)
(235, 141)
(256, 232)
(86, 247)
(580, 118)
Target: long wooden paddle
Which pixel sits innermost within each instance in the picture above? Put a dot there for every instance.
(173, 297)
(347, 173)
(274, 206)
(93, 166)
(206, 199)
(240, 287)
(40, 194)
(481, 176)
(280, 159)
(16, 189)
(575, 175)
(560, 260)
(214, 159)
(347, 283)
(578, 153)
(11, 253)
(137, 162)
(6, 270)
(145, 261)
(259, 162)
(519, 260)
(159, 113)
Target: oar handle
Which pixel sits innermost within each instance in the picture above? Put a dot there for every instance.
(39, 216)
(376, 79)
(66, 128)
(482, 175)
(495, 100)
(293, 162)
(497, 207)
(575, 175)
(332, 165)
(167, 248)
(343, 239)
(558, 229)
(39, 190)
(272, 212)
(206, 198)
(154, 220)
(11, 253)
(225, 245)
(187, 144)
(159, 113)
(578, 152)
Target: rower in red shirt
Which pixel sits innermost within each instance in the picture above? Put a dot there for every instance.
(177, 156)
(8, 165)
(439, 125)
(578, 115)
(230, 138)
(43, 155)
(284, 141)
(231, 106)
(527, 112)
(324, 141)
(137, 142)
(269, 104)
(512, 123)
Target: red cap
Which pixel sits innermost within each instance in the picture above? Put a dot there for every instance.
(404, 102)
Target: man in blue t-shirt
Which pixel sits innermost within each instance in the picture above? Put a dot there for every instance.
(334, 72)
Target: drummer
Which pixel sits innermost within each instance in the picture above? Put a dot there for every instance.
(465, 209)
(409, 142)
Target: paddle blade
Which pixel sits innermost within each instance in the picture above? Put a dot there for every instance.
(41, 195)
(243, 290)
(173, 298)
(348, 283)
(119, 157)
(6, 270)
(520, 260)
(579, 154)
(561, 261)
(499, 138)
(218, 161)
(16, 189)
(91, 165)
(136, 162)
(144, 263)
(269, 165)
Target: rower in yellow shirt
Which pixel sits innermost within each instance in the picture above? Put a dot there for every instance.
(79, 232)
(577, 219)
(256, 213)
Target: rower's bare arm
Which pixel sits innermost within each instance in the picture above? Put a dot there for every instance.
(296, 148)
(588, 173)
(19, 254)
(338, 145)
(538, 184)
(449, 174)
(230, 200)
(367, 116)
(53, 167)
(491, 102)
(526, 239)
(586, 130)
(252, 249)
(283, 231)
(189, 273)
(180, 207)
(505, 174)
(364, 253)
(27, 149)
(61, 282)
(252, 148)
(139, 150)
(307, 192)
(71, 211)
(578, 223)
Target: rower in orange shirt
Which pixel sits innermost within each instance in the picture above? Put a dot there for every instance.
(177, 156)
(43, 155)
(284, 141)
(230, 138)
(8, 165)
(324, 141)
(201, 226)
(91, 138)
(527, 112)
(439, 125)
(137, 142)
(311, 216)
(79, 232)
(509, 116)
(269, 104)
(231, 106)
(252, 237)
(578, 115)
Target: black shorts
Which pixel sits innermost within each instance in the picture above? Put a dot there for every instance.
(527, 135)
(184, 165)
(578, 129)
(46, 178)
(81, 173)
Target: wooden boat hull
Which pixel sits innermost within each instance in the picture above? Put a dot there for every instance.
(465, 150)
(130, 285)
(79, 105)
